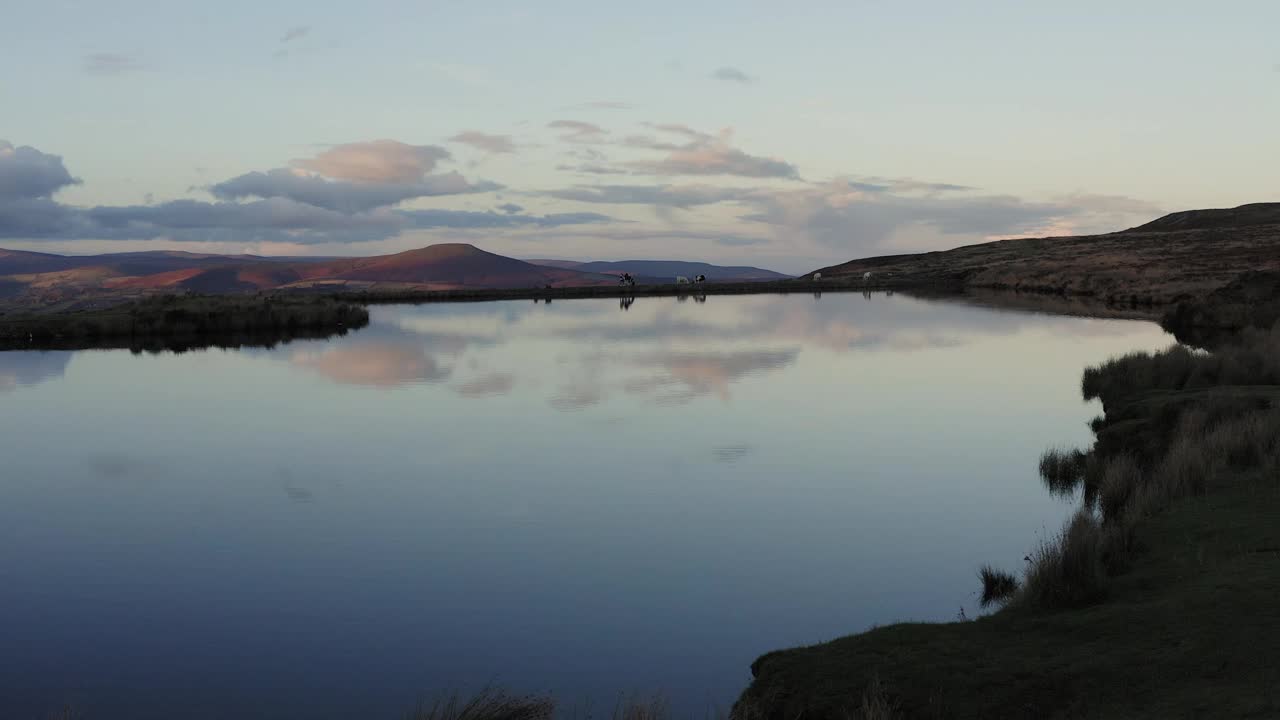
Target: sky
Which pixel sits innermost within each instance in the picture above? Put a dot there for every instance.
(732, 132)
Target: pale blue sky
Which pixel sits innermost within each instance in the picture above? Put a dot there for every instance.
(1079, 118)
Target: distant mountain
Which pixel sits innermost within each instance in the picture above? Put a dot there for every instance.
(665, 271)
(35, 278)
(437, 267)
(562, 264)
(13, 262)
(450, 265)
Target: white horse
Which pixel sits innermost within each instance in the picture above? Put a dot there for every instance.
(682, 280)
(866, 276)
(817, 277)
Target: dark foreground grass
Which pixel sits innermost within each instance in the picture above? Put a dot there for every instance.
(1192, 630)
(1159, 599)
(488, 704)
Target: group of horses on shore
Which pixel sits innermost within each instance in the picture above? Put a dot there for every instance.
(629, 280)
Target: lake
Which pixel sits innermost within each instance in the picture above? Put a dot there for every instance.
(583, 497)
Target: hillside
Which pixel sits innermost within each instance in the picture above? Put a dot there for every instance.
(550, 262)
(444, 266)
(665, 271)
(32, 279)
(1183, 254)
(1245, 215)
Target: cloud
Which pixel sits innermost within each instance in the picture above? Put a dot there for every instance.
(632, 234)
(28, 180)
(591, 162)
(341, 195)
(28, 218)
(269, 220)
(676, 196)
(577, 131)
(272, 219)
(281, 205)
(732, 74)
(294, 33)
(27, 173)
(350, 193)
(737, 241)
(691, 374)
(290, 41)
(111, 64)
(388, 161)
(1110, 204)
(471, 219)
(692, 152)
(378, 364)
(592, 169)
(875, 184)
(680, 129)
(844, 214)
(484, 141)
(706, 154)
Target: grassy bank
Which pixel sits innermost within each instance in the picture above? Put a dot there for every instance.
(180, 322)
(1157, 600)
(1159, 263)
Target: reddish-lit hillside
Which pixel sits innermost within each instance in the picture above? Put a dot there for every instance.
(40, 277)
(448, 265)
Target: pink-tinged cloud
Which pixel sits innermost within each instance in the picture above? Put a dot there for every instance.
(388, 161)
(342, 195)
(693, 152)
(706, 154)
(381, 364)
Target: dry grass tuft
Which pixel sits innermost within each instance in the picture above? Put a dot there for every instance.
(875, 702)
(1067, 571)
(998, 586)
(1121, 479)
(1254, 360)
(488, 704)
(636, 707)
(1062, 470)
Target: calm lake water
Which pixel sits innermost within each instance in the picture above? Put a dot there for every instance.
(577, 497)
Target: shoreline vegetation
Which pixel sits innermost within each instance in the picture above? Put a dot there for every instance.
(189, 320)
(182, 322)
(1156, 599)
